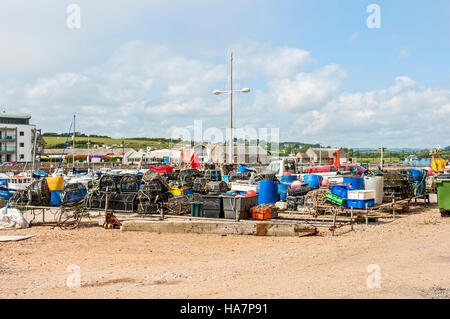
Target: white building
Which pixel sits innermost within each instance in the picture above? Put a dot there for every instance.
(16, 138)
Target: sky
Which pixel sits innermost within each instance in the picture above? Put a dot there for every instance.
(316, 71)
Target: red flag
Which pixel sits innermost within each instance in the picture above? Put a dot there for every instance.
(195, 163)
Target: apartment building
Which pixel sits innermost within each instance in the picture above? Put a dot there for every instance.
(17, 137)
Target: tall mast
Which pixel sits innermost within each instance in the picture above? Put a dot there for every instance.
(73, 143)
(230, 142)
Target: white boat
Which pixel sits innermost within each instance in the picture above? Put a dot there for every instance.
(18, 182)
(79, 178)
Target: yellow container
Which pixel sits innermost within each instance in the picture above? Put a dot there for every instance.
(55, 183)
(177, 191)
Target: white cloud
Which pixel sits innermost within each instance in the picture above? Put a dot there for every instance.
(147, 89)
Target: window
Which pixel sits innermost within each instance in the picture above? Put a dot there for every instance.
(353, 169)
(22, 156)
(21, 133)
(22, 145)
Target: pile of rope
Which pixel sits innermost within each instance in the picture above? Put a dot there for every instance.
(94, 191)
(316, 198)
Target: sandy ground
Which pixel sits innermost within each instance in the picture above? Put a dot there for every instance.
(412, 254)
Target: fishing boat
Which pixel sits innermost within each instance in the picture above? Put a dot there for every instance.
(4, 189)
(19, 182)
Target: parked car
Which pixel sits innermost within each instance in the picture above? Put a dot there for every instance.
(8, 164)
(355, 169)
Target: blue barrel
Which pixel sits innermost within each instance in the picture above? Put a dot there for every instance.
(288, 179)
(55, 198)
(268, 192)
(313, 180)
(282, 190)
(357, 182)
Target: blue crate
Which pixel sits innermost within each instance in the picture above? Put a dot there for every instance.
(341, 190)
(360, 203)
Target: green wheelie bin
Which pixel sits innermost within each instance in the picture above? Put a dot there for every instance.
(443, 189)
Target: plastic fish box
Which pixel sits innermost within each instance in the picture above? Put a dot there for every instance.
(341, 190)
(361, 204)
(213, 213)
(361, 194)
(239, 203)
(231, 214)
(212, 202)
(335, 199)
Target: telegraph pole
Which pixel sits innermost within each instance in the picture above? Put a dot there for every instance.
(73, 145)
(231, 142)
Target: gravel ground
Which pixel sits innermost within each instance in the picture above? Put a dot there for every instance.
(410, 256)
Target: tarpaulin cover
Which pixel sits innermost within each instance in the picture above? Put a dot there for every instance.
(12, 218)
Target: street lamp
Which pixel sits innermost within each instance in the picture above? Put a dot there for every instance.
(230, 92)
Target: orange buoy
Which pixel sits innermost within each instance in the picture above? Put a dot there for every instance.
(250, 193)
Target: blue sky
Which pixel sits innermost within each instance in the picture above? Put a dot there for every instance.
(317, 72)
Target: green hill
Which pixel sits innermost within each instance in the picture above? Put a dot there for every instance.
(81, 142)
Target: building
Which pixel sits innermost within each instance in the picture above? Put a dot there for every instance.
(243, 154)
(203, 151)
(321, 156)
(17, 138)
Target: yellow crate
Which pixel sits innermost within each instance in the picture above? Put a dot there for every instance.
(177, 191)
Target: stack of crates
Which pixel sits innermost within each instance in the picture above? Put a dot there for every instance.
(338, 194)
(359, 198)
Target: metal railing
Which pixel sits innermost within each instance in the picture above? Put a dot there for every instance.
(7, 149)
(8, 137)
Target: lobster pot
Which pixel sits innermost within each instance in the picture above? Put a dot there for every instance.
(216, 187)
(375, 183)
(124, 202)
(214, 175)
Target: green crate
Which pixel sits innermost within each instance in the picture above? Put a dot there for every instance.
(335, 199)
(197, 209)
